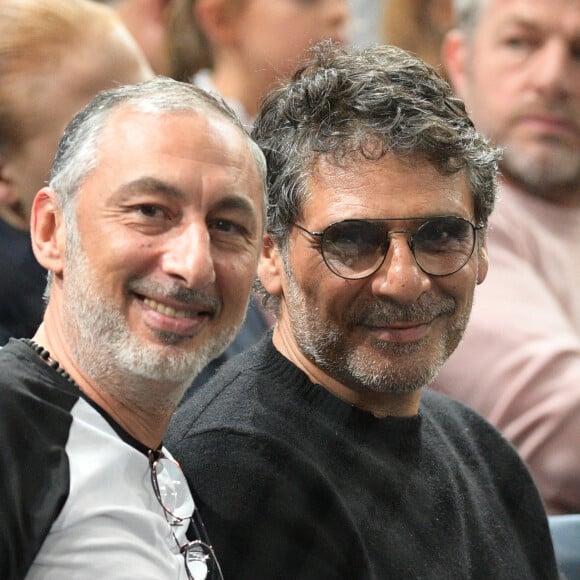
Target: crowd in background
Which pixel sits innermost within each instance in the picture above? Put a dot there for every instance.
(516, 69)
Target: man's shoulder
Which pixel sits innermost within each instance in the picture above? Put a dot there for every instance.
(462, 425)
(453, 426)
(35, 425)
(25, 380)
(31, 401)
(443, 408)
(227, 397)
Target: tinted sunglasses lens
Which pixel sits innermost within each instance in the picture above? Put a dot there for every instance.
(443, 246)
(354, 249)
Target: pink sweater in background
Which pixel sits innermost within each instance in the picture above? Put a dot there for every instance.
(519, 363)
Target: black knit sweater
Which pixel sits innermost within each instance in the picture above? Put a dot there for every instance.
(295, 484)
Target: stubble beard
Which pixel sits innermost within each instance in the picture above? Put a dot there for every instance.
(142, 374)
(553, 175)
(380, 369)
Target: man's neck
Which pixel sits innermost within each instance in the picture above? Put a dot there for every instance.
(379, 404)
(234, 82)
(145, 423)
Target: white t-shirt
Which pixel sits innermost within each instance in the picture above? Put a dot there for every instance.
(77, 501)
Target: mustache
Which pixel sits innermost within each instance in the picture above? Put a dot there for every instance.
(558, 107)
(387, 313)
(188, 297)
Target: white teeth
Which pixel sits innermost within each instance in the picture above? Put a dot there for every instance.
(166, 310)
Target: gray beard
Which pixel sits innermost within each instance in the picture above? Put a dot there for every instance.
(553, 176)
(325, 346)
(147, 376)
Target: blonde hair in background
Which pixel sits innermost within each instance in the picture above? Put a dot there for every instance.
(418, 26)
(34, 36)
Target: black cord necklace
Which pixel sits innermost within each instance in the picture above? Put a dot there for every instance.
(45, 356)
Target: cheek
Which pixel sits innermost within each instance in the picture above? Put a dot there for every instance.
(496, 104)
(460, 287)
(330, 296)
(115, 260)
(236, 276)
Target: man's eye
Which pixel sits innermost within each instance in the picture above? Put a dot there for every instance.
(519, 42)
(151, 210)
(228, 227)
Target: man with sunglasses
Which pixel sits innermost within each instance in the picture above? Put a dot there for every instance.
(150, 228)
(318, 455)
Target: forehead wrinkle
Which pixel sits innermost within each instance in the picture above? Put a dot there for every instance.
(400, 224)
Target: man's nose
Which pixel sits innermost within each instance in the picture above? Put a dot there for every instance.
(188, 256)
(555, 70)
(400, 278)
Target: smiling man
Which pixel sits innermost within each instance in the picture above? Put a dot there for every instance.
(329, 459)
(150, 228)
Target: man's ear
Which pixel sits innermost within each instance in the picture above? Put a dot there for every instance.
(271, 267)
(47, 231)
(482, 261)
(216, 19)
(454, 52)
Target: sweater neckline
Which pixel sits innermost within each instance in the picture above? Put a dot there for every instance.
(313, 396)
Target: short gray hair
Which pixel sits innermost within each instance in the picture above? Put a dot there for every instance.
(344, 106)
(78, 151)
(467, 13)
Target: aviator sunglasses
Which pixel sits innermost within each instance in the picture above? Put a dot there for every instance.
(356, 248)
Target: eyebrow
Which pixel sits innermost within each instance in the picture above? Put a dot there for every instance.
(147, 185)
(236, 203)
(524, 21)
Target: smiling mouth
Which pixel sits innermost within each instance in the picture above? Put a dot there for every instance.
(170, 311)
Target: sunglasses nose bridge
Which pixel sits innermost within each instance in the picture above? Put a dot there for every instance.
(399, 276)
(409, 237)
(385, 244)
(406, 239)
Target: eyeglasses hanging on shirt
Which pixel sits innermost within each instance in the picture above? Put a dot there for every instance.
(174, 496)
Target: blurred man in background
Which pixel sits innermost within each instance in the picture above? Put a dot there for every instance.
(516, 63)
